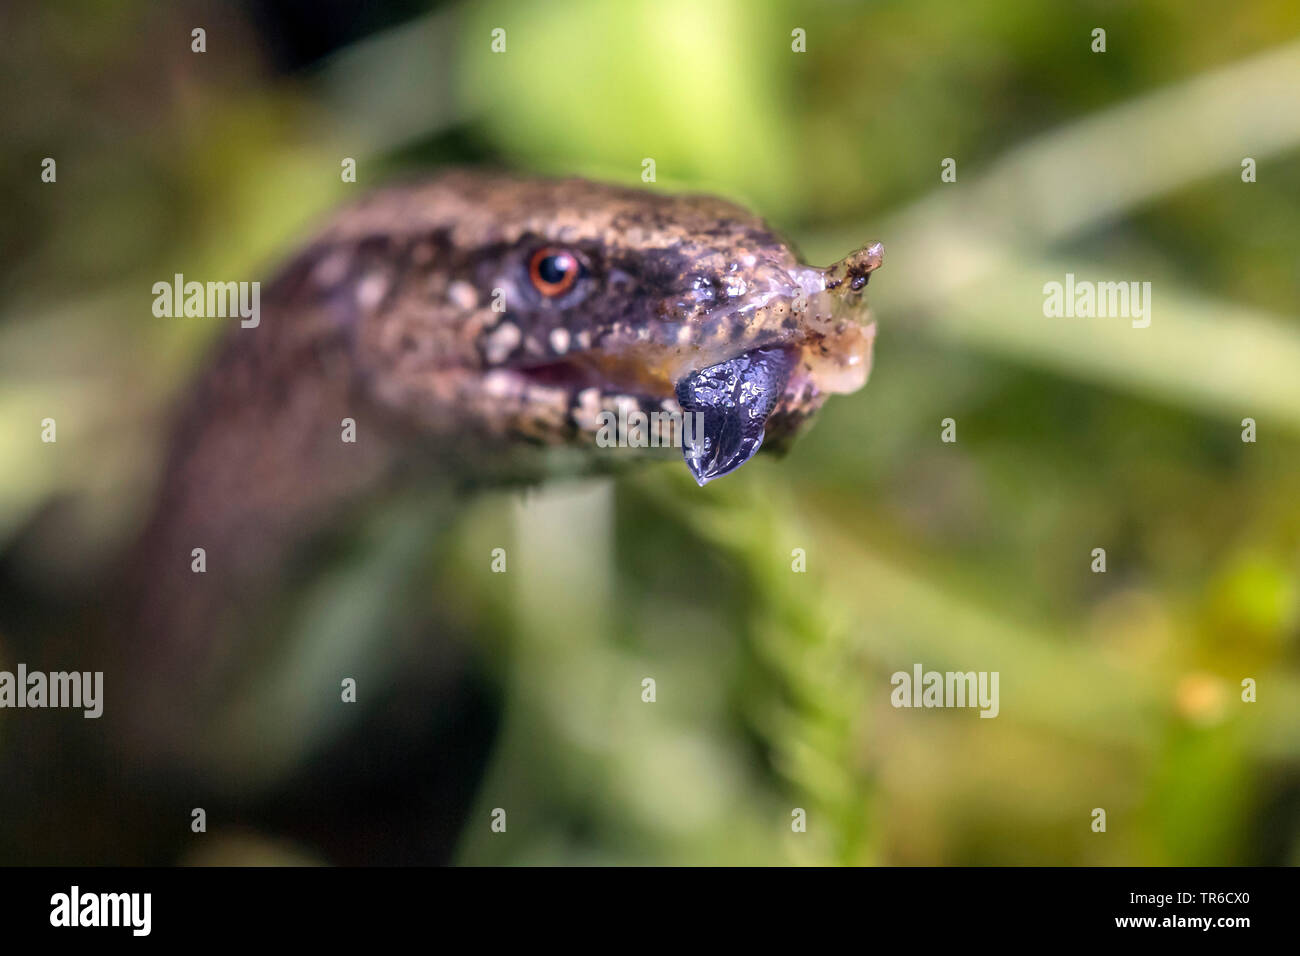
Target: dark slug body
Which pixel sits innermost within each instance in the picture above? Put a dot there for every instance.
(412, 315)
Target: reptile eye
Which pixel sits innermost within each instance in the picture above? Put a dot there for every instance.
(553, 271)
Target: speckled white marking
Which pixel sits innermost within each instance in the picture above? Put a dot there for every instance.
(500, 383)
(503, 340)
(626, 404)
(587, 409)
(331, 270)
(550, 403)
(463, 295)
(371, 289)
(559, 341)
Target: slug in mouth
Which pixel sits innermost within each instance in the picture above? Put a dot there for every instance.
(519, 308)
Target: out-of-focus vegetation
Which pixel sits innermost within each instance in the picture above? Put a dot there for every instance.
(1118, 690)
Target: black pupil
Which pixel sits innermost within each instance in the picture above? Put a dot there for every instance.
(553, 270)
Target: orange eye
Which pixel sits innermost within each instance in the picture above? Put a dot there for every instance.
(553, 271)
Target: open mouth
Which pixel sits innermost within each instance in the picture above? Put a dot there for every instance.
(723, 407)
(585, 389)
(785, 358)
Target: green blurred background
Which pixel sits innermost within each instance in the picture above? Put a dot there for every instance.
(1118, 690)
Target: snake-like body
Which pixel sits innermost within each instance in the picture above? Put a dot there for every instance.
(468, 328)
